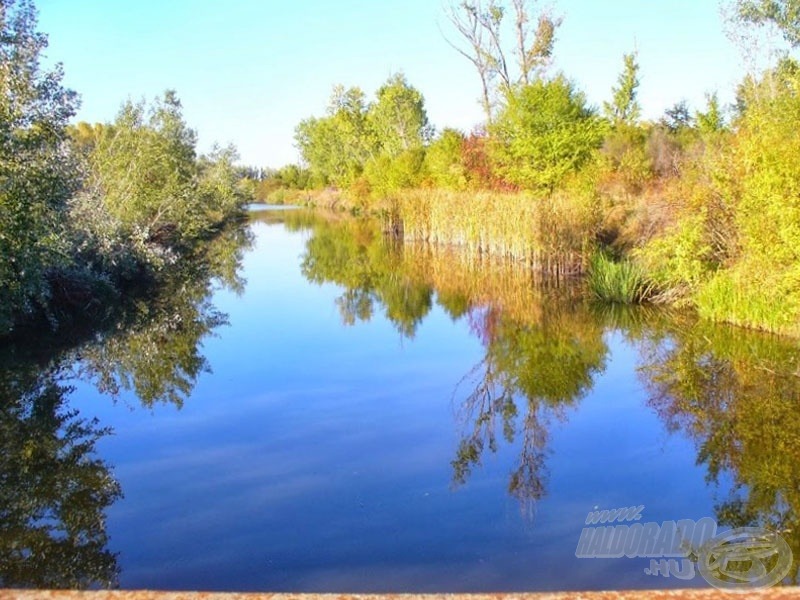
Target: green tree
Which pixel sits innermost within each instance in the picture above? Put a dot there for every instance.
(544, 132)
(146, 171)
(337, 146)
(36, 172)
(398, 118)
(624, 107)
(711, 120)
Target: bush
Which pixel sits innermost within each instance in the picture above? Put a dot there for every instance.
(544, 132)
(621, 282)
(443, 161)
(769, 301)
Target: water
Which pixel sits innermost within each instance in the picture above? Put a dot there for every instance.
(361, 417)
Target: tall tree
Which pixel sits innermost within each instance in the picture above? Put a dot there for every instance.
(145, 171)
(533, 56)
(398, 118)
(36, 177)
(624, 107)
(481, 26)
(466, 20)
(337, 146)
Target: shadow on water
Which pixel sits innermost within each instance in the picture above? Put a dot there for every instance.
(54, 488)
(734, 393)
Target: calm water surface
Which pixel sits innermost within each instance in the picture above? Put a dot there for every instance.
(359, 417)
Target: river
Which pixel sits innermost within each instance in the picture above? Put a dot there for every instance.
(317, 408)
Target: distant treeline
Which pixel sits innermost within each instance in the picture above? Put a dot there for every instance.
(700, 207)
(88, 212)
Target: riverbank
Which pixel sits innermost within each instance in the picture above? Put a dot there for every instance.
(631, 248)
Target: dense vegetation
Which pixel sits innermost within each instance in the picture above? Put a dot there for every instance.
(698, 208)
(90, 212)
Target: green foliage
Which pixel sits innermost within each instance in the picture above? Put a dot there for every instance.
(769, 301)
(618, 281)
(217, 192)
(544, 132)
(356, 138)
(679, 258)
(735, 242)
(146, 171)
(624, 107)
(398, 119)
(37, 175)
(336, 146)
(387, 175)
(711, 121)
(85, 136)
(443, 161)
(293, 177)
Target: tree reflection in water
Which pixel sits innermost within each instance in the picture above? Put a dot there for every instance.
(543, 348)
(54, 489)
(735, 393)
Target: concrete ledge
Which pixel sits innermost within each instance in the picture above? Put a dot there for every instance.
(705, 594)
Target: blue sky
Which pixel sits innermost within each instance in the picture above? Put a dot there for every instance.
(248, 71)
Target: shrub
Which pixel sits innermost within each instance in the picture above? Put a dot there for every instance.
(618, 281)
(544, 132)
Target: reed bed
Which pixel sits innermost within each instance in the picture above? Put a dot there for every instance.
(553, 235)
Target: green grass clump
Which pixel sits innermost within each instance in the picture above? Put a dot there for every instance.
(621, 282)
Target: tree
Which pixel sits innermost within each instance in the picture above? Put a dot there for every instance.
(398, 118)
(533, 56)
(466, 21)
(624, 107)
(145, 171)
(336, 146)
(544, 132)
(677, 117)
(711, 120)
(36, 175)
(784, 14)
(481, 26)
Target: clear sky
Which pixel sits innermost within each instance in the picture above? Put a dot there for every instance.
(247, 71)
